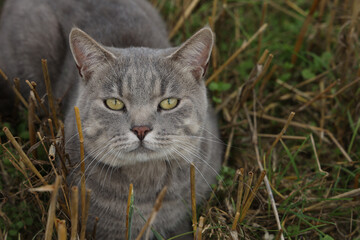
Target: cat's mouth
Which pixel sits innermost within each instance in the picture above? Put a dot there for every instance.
(141, 148)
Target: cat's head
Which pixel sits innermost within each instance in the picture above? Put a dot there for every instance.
(141, 104)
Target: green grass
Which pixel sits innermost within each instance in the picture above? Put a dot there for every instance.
(291, 167)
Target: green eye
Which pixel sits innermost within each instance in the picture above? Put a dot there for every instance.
(114, 104)
(169, 103)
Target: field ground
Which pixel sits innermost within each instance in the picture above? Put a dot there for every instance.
(285, 80)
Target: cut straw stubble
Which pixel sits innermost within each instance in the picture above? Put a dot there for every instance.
(128, 208)
(24, 158)
(52, 209)
(74, 207)
(193, 197)
(82, 167)
(49, 91)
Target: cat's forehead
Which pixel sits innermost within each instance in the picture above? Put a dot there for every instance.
(142, 74)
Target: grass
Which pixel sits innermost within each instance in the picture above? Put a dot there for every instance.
(312, 169)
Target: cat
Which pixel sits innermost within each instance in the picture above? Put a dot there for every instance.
(143, 104)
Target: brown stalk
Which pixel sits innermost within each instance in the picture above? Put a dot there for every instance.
(316, 156)
(291, 116)
(23, 156)
(349, 194)
(284, 10)
(295, 7)
(263, 15)
(213, 14)
(240, 190)
(15, 163)
(296, 124)
(303, 31)
(338, 145)
(230, 140)
(253, 128)
(330, 25)
(264, 70)
(51, 130)
(322, 9)
(341, 90)
(266, 80)
(252, 195)
(183, 17)
(193, 197)
(82, 166)
(320, 95)
(131, 192)
(85, 215)
(74, 208)
(61, 229)
(256, 75)
(231, 96)
(32, 86)
(316, 78)
(279, 234)
(200, 229)
(31, 119)
(154, 212)
(283, 137)
(212, 21)
(3, 75)
(49, 91)
(236, 219)
(52, 208)
(42, 142)
(20, 97)
(16, 88)
(322, 110)
(248, 187)
(244, 45)
(292, 88)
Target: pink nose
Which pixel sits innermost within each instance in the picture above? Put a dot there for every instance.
(141, 131)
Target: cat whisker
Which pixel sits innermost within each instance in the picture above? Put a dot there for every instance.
(182, 156)
(193, 151)
(76, 134)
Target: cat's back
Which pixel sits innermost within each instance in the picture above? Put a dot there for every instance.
(34, 29)
(119, 23)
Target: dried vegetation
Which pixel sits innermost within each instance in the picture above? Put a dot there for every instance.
(285, 81)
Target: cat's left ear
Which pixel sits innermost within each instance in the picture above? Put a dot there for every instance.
(88, 54)
(195, 53)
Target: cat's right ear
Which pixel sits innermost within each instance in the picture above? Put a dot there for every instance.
(88, 54)
(195, 53)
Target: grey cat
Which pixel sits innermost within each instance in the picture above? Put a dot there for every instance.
(143, 104)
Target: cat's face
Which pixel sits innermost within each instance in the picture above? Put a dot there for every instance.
(140, 104)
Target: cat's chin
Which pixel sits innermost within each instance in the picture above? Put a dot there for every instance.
(138, 155)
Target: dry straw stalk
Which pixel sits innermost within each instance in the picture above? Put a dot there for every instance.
(244, 45)
(74, 207)
(51, 212)
(131, 192)
(82, 166)
(23, 156)
(193, 197)
(49, 91)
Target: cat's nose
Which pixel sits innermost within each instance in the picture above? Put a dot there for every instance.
(141, 131)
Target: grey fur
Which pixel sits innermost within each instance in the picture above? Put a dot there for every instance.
(139, 68)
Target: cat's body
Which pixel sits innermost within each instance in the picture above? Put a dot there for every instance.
(144, 110)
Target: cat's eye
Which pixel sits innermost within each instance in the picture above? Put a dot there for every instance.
(114, 104)
(169, 103)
